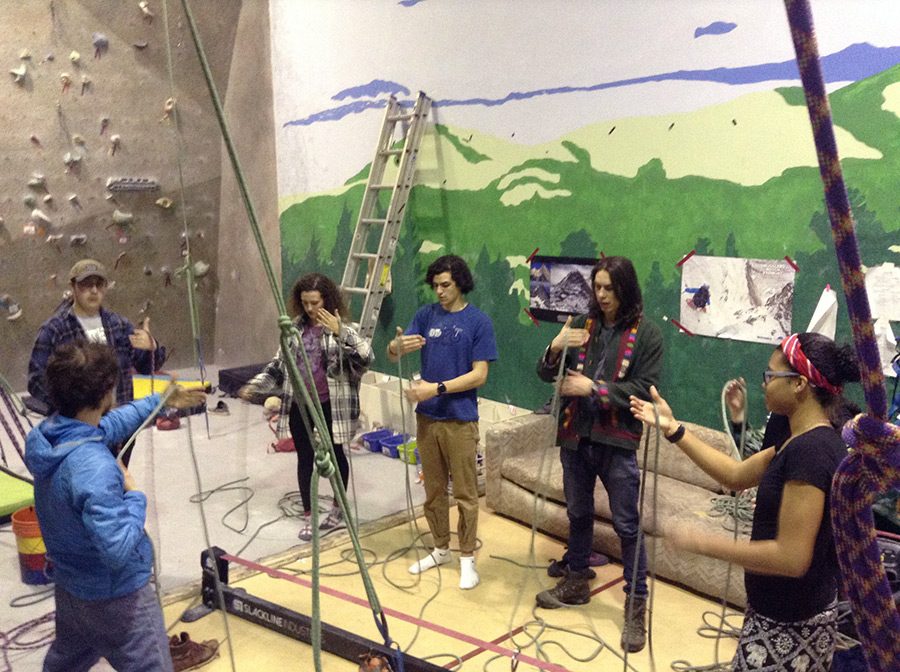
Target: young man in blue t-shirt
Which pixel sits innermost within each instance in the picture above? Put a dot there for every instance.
(457, 343)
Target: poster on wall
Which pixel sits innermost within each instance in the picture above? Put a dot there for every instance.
(740, 299)
(560, 286)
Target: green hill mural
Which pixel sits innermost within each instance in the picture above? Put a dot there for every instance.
(738, 179)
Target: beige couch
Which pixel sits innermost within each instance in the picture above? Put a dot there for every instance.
(524, 482)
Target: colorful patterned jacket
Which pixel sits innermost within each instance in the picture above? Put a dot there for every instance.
(632, 365)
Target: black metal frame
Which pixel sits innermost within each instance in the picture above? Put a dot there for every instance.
(240, 603)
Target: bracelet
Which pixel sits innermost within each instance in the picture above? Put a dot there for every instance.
(677, 435)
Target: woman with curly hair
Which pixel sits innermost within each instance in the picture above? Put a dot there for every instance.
(338, 357)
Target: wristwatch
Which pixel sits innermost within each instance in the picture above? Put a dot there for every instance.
(442, 389)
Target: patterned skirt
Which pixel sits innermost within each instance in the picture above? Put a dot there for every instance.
(772, 646)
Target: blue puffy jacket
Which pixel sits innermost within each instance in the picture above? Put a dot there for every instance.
(92, 528)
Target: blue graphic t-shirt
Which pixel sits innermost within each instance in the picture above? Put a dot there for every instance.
(452, 342)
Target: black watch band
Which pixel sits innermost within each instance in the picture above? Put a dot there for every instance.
(442, 389)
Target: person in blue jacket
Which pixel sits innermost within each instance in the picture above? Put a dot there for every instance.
(92, 516)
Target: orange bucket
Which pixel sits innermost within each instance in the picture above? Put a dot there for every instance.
(30, 544)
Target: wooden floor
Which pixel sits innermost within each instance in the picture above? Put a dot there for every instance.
(460, 626)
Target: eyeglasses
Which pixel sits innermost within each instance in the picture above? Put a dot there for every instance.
(90, 282)
(769, 375)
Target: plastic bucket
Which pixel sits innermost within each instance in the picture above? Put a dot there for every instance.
(372, 440)
(408, 452)
(392, 445)
(30, 543)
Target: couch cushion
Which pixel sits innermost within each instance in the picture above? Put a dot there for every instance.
(540, 471)
(672, 462)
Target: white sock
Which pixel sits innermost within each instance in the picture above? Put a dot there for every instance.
(468, 575)
(439, 556)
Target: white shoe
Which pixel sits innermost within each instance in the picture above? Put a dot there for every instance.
(439, 556)
(468, 575)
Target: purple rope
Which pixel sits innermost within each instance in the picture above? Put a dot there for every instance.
(874, 465)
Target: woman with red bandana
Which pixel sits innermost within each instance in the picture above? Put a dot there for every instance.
(791, 569)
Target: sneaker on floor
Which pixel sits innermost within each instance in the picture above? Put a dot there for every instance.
(468, 575)
(571, 590)
(189, 655)
(559, 568)
(439, 556)
(333, 520)
(306, 528)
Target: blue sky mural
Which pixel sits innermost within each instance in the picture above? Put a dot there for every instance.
(851, 64)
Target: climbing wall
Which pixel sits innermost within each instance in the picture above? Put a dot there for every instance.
(90, 164)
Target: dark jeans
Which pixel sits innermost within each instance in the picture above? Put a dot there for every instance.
(306, 454)
(617, 469)
(128, 631)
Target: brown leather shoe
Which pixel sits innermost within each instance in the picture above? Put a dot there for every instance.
(572, 589)
(188, 655)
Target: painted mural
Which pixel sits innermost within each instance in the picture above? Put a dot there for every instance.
(613, 128)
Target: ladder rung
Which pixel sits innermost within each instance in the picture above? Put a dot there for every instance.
(381, 186)
(390, 152)
(356, 290)
(369, 220)
(365, 255)
(402, 117)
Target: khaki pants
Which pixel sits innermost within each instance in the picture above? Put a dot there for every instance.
(448, 447)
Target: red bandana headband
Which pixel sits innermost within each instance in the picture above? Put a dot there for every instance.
(790, 346)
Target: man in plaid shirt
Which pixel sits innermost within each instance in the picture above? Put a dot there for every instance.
(85, 319)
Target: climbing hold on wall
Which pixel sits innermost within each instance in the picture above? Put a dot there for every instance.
(122, 218)
(114, 141)
(201, 268)
(101, 44)
(77, 239)
(11, 308)
(73, 199)
(37, 181)
(165, 203)
(167, 275)
(75, 57)
(146, 307)
(49, 57)
(85, 83)
(146, 11)
(66, 80)
(19, 73)
(148, 271)
(35, 140)
(140, 45)
(71, 160)
(25, 55)
(54, 237)
(48, 199)
(119, 258)
(104, 124)
(39, 216)
(132, 184)
(29, 200)
(78, 140)
(168, 108)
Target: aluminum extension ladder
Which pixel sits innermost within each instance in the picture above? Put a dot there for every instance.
(376, 263)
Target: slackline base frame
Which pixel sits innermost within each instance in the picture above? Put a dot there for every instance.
(240, 603)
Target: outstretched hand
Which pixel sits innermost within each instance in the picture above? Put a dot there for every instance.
(142, 339)
(568, 337)
(643, 411)
(736, 399)
(406, 343)
(179, 397)
(331, 321)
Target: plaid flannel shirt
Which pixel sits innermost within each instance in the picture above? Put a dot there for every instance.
(64, 327)
(348, 356)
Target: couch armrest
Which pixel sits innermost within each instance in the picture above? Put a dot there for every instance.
(510, 437)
